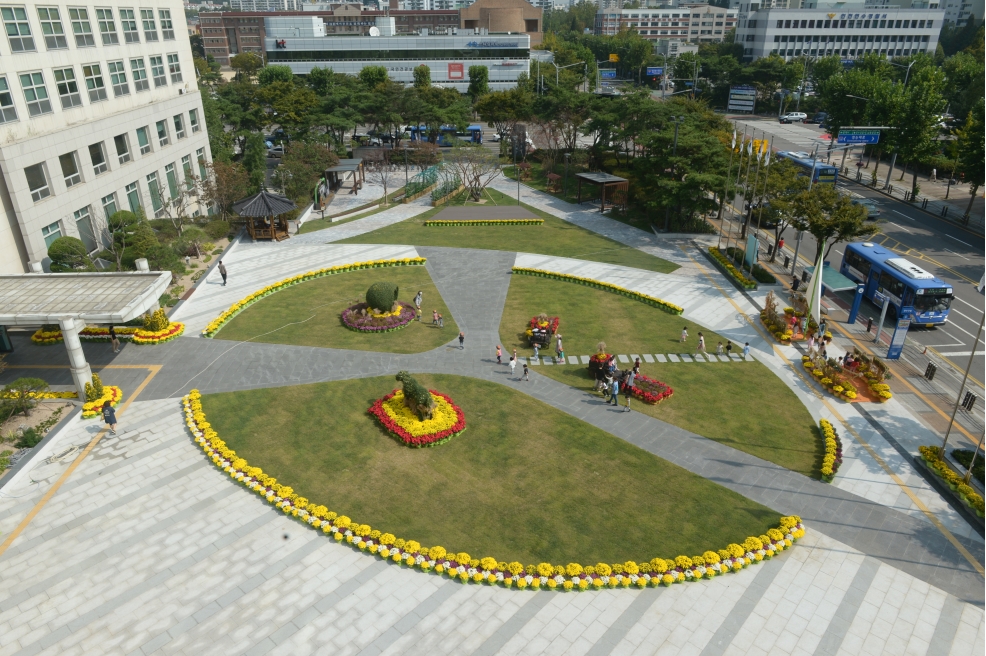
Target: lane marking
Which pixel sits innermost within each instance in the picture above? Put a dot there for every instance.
(968, 303)
(965, 353)
(957, 255)
(154, 369)
(902, 214)
(951, 310)
(876, 457)
(960, 241)
(900, 226)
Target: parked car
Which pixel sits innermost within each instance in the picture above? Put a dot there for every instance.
(872, 209)
(818, 118)
(275, 151)
(794, 117)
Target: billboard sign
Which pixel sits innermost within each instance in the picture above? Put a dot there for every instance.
(456, 71)
(850, 136)
(741, 99)
(653, 71)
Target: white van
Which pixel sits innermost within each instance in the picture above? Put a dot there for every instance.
(794, 117)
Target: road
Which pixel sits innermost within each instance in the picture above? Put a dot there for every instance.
(944, 249)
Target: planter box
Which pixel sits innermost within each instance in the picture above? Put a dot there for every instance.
(426, 190)
(447, 197)
(953, 497)
(736, 283)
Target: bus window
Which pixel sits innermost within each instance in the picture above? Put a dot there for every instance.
(908, 299)
(890, 286)
(861, 266)
(932, 303)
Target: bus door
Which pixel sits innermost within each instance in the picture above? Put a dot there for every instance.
(891, 289)
(872, 283)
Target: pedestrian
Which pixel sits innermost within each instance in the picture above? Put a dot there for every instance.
(536, 356)
(462, 340)
(434, 317)
(527, 373)
(628, 387)
(684, 334)
(418, 300)
(559, 347)
(729, 347)
(719, 349)
(222, 271)
(513, 365)
(441, 320)
(822, 329)
(614, 393)
(561, 357)
(109, 416)
(934, 175)
(499, 354)
(114, 340)
(636, 366)
(780, 244)
(746, 350)
(701, 343)
(811, 344)
(515, 354)
(804, 324)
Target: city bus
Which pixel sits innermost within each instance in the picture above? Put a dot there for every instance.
(823, 172)
(911, 292)
(448, 135)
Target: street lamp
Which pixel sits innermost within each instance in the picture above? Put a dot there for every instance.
(558, 68)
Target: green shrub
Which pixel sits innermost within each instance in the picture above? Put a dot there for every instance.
(381, 296)
(69, 254)
(17, 396)
(29, 439)
(762, 275)
(964, 457)
(217, 229)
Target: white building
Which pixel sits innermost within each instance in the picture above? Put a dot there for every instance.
(848, 30)
(692, 22)
(99, 109)
(300, 43)
(265, 5)
(958, 11)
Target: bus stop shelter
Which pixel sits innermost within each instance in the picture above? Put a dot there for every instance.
(832, 279)
(72, 300)
(615, 185)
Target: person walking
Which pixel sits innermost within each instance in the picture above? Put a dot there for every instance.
(109, 416)
(684, 334)
(746, 350)
(536, 356)
(701, 343)
(628, 387)
(527, 376)
(418, 299)
(462, 340)
(114, 340)
(441, 320)
(614, 392)
(719, 349)
(434, 317)
(222, 271)
(811, 345)
(499, 354)
(729, 348)
(513, 365)
(780, 244)
(934, 175)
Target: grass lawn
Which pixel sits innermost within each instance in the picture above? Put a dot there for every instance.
(742, 404)
(553, 237)
(309, 314)
(524, 482)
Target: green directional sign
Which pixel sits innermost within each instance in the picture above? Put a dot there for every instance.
(857, 136)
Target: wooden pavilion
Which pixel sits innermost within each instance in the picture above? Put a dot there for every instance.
(335, 175)
(618, 188)
(263, 214)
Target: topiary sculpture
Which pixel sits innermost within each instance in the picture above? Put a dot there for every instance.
(382, 296)
(416, 396)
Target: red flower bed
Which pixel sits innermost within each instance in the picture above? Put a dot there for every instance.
(552, 324)
(431, 439)
(650, 390)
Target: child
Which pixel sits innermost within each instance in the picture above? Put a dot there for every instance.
(719, 350)
(701, 343)
(109, 416)
(746, 350)
(462, 340)
(441, 320)
(526, 372)
(513, 365)
(684, 334)
(499, 354)
(114, 340)
(434, 317)
(729, 347)
(561, 357)
(535, 350)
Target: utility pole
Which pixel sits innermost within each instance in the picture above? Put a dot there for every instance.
(801, 88)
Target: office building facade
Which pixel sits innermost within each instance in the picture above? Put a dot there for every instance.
(99, 111)
(695, 23)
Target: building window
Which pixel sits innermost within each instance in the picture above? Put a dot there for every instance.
(179, 127)
(122, 148)
(153, 188)
(186, 168)
(150, 30)
(51, 28)
(162, 133)
(35, 93)
(109, 205)
(193, 119)
(37, 181)
(167, 29)
(174, 67)
(107, 27)
(139, 74)
(129, 24)
(70, 169)
(7, 111)
(143, 141)
(157, 71)
(68, 89)
(118, 78)
(81, 28)
(172, 177)
(51, 233)
(200, 156)
(98, 157)
(83, 223)
(18, 29)
(133, 197)
(94, 82)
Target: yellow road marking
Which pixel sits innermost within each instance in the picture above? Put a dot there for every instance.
(893, 476)
(153, 368)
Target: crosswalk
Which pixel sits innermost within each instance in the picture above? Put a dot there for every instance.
(646, 357)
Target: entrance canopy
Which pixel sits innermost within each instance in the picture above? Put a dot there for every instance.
(73, 299)
(833, 280)
(616, 186)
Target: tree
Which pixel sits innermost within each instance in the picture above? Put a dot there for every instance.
(192, 239)
(162, 257)
(830, 217)
(274, 73)
(255, 160)
(69, 254)
(479, 81)
(776, 198)
(379, 168)
(503, 109)
(320, 80)
(422, 77)
(971, 152)
(371, 76)
(178, 203)
(116, 231)
(917, 133)
(303, 164)
(246, 65)
(225, 184)
(476, 166)
(423, 154)
(220, 141)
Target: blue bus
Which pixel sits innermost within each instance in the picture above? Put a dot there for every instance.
(823, 172)
(912, 292)
(448, 135)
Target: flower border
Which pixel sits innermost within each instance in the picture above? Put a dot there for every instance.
(483, 222)
(216, 324)
(605, 286)
(375, 329)
(649, 397)
(931, 456)
(419, 441)
(100, 334)
(464, 568)
(833, 450)
(111, 393)
(731, 270)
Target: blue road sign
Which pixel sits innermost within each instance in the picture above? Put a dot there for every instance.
(850, 136)
(655, 70)
(607, 73)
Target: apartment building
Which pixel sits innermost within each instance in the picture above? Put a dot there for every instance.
(848, 30)
(696, 23)
(99, 111)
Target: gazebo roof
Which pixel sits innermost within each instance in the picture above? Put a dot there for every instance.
(599, 177)
(345, 165)
(264, 204)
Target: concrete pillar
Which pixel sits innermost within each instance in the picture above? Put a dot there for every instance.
(36, 267)
(142, 266)
(81, 373)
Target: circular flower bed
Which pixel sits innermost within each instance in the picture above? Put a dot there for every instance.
(362, 318)
(650, 390)
(447, 419)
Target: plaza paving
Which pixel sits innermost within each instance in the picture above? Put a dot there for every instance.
(146, 548)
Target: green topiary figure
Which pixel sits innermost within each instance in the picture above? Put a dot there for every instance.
(382, 296)
(416, 396)
(94, 390)
(156, 321)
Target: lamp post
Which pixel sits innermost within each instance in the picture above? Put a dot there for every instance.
(568, 156)
(558, 68)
